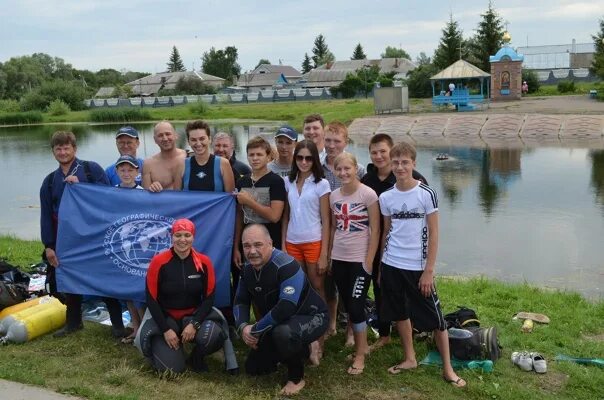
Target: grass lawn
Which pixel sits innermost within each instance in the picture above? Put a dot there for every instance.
(552, 90)
(290, 112)
(90, 364)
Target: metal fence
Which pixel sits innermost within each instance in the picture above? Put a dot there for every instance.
(266, 96)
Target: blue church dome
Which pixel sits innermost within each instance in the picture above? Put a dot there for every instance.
(506, 53)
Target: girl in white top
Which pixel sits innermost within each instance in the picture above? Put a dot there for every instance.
(306, 221)
(355, 236)
(306, 216)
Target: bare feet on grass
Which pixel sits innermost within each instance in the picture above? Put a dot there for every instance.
(291, 388)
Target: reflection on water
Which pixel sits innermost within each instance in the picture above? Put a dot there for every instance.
(597, 174)
(516, 214)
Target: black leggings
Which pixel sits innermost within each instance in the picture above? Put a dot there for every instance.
(208, 339)
(353, 283)
(287, 343)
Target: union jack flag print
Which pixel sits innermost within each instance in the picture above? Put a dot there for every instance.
(351, 217)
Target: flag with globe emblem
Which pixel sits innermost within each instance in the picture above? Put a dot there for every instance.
(107, 237)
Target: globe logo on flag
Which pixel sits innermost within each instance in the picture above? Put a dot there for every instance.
(132, 244)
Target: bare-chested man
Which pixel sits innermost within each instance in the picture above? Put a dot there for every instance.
(161, 171)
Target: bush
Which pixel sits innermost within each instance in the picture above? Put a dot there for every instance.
(57, 107)
(30, 117)
(124, 114)
(71, 92)
(198, 109)
(531, 79)
(566, 87)
(34, 101)
(418, 81)
(9, 106)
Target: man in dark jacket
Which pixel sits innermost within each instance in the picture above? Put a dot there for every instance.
(71, 170)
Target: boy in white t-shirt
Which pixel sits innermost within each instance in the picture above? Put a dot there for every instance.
(410, 238)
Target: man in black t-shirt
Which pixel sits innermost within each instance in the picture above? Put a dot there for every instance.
(261, 196)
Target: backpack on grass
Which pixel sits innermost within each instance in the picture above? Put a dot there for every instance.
(474, 343)
(464, 317)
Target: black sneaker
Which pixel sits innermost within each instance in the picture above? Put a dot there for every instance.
(67, 330)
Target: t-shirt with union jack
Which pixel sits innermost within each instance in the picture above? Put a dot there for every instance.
(351, 239)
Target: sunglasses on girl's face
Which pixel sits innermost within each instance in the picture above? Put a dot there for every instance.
(303, 158)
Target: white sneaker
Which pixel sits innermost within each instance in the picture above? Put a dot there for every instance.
(523, 360)
(539, 363)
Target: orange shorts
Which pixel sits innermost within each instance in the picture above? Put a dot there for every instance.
(307, 253)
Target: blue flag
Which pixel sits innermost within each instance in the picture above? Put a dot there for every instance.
(107, 236)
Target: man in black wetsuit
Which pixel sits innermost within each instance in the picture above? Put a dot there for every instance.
(292, 314)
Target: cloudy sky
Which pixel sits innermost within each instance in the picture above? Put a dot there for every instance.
(138, 35)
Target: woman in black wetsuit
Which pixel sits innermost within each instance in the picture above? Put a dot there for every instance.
(204, 171)
(180, 295)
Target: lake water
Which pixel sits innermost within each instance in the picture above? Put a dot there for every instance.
(531, 215)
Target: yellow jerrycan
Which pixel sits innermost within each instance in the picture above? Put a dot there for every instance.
(45, 302)
(49, 318)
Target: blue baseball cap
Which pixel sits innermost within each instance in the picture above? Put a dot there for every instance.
(287, 131)
(128, 131)
(127, 159)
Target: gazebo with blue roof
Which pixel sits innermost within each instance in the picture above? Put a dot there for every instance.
(506, 72)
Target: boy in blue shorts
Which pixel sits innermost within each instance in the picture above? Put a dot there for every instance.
(410, 210)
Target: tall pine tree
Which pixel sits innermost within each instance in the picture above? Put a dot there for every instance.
(358, 53)
(451, 40)
(320, 51)
(175, 64)
(306, 64)
(488, 39)
(597, 65)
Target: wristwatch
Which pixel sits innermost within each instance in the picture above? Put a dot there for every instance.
(196, 324)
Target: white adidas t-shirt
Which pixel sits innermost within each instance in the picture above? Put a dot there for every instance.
(407, 242)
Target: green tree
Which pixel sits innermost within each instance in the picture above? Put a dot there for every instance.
(306, 65)
(321, 53)
(488, 39)
(175, 64)
(422, 59)
(531, 79)
(448, 50)
(358, 53)
(54, 67)
(23, 74)
(262, 61)
(222, 63)
(109, 77)
(193, 85)
(597, 66)
(393, 52)
(418, 81)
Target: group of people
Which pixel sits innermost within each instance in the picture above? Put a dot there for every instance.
(313, 227)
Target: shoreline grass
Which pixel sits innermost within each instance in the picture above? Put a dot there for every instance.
(92, 365)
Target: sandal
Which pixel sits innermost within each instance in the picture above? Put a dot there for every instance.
(352, 370)
(458, 383)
